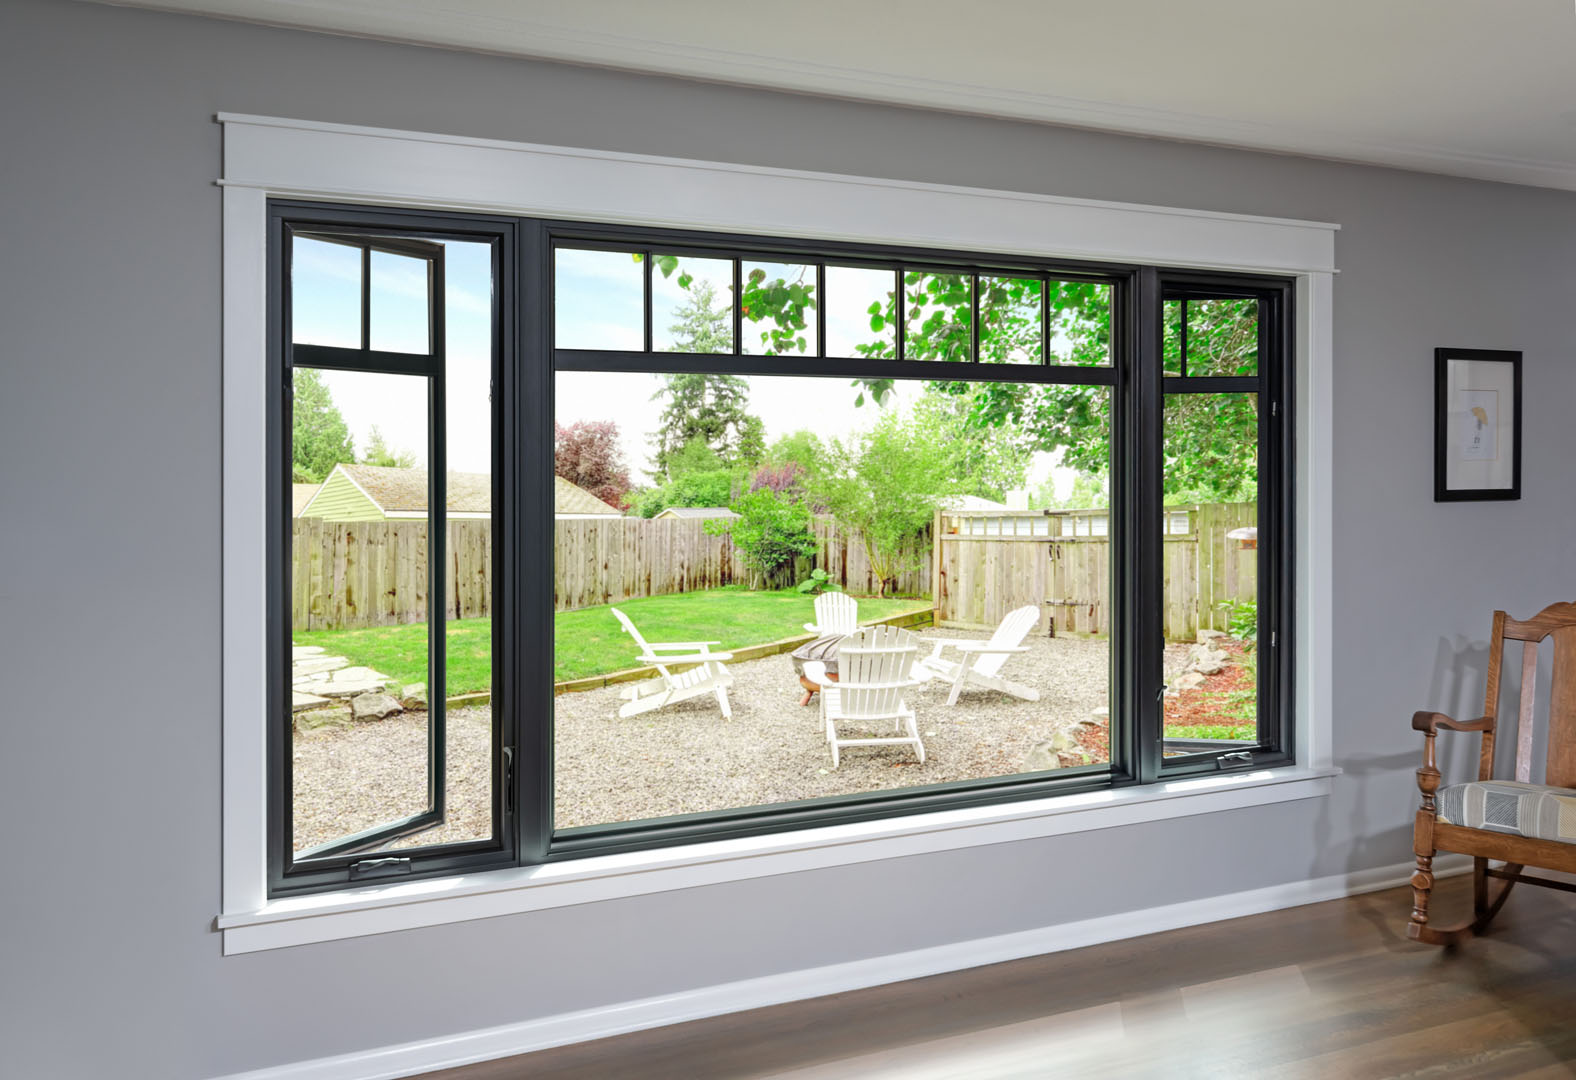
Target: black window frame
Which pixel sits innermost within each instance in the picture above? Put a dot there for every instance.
(360, 859)
(523, 413)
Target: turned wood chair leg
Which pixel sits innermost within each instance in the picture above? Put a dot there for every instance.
(1422, 885)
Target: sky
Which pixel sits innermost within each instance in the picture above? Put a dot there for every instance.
(599, 304)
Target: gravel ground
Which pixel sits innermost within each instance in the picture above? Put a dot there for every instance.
(686, 758)
(348, 779)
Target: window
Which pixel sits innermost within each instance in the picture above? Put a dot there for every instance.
(1083, 464)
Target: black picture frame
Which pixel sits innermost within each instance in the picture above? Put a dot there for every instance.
(1444, 490)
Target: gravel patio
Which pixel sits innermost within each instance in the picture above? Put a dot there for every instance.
(687, 759)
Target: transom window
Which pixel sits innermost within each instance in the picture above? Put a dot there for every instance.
(590, 538)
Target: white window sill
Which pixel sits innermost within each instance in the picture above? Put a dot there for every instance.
(384, 908)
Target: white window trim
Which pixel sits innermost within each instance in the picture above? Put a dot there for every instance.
(268, 157)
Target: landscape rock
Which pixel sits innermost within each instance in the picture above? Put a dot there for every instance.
(414, 696)
(373, 706)
(300, 701)
(313, 719)
(1046, 754)
(346, 682)
(1188, 680)
(1211, 635)
(300, 652)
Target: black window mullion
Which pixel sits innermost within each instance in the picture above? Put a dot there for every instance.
(902, 314)
(532, 373)
(1146, 514)
(820, 310)
(366, 297)
(666, 363)
(437, 548)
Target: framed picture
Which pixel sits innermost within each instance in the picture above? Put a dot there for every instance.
(1477, 424)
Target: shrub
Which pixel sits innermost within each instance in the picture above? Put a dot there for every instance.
(818, 582)
(769, 533)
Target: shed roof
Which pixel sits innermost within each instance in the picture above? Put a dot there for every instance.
(696, 512)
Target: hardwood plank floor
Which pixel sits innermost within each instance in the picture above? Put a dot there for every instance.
(1325, 990)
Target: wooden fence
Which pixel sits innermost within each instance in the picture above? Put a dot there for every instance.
(989, 563)
(374, 573)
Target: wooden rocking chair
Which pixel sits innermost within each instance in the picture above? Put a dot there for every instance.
(1522, 823)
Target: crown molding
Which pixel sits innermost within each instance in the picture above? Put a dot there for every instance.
(523, 36)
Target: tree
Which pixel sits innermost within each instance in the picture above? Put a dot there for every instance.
(587, 454)
(710, 408)
(769, 533)
(379, 453)
(319, 437)
(701, 328)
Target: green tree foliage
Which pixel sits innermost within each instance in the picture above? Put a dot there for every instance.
(711, 408)
(777, 307)
(319, 437)
(698, 478)
(887, 482)
(702, 327)
(769, 533)
(1210, 440)
(379, 453)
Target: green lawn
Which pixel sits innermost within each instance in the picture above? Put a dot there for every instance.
(590, 641)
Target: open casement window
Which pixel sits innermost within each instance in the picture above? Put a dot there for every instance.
(1216, 411)
(371, 594)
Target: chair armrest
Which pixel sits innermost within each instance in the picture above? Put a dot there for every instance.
(814, 629)
(657, 646)
(987, 647)
(815, 671)
(1430, 722)
(684, 658)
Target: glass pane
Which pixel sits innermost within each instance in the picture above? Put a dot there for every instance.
(1011, 328)
(836, 504)
(1080, 323)
(1210, 614)
(779, 309)
(359, 603)
(468, 640)
(325, 293)
(1171, 337)
(401, 299)
(1222, 337)
(599, 299)
(861, 312)
(691, 304)
(938, 316)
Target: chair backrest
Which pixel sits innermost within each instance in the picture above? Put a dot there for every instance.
(836, 613)
(629, 628)
(1557, 621)
(1009, 635)
(874, 668)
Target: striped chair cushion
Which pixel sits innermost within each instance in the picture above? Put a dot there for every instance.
(1509, 806)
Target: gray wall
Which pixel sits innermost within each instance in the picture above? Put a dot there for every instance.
(109, 435)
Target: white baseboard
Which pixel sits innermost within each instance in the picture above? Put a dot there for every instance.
(464, 1048)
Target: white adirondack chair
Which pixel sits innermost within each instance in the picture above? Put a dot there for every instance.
(874, 668)
(668, 688)
(835, 613)
(980, 662)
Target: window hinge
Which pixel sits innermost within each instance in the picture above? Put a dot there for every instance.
(1237, 757)
(379, 868)
(508, 779)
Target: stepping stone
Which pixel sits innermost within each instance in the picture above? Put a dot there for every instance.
(300, 701)
(314, 664)
(300, 652)
(348, 682)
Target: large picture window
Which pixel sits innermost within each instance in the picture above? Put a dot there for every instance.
(592, 538)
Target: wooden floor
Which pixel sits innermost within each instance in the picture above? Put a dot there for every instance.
(1328, 990)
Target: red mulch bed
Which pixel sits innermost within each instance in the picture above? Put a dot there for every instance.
(1189, 708)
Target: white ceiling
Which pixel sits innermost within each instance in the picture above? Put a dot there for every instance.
(1483, 88)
